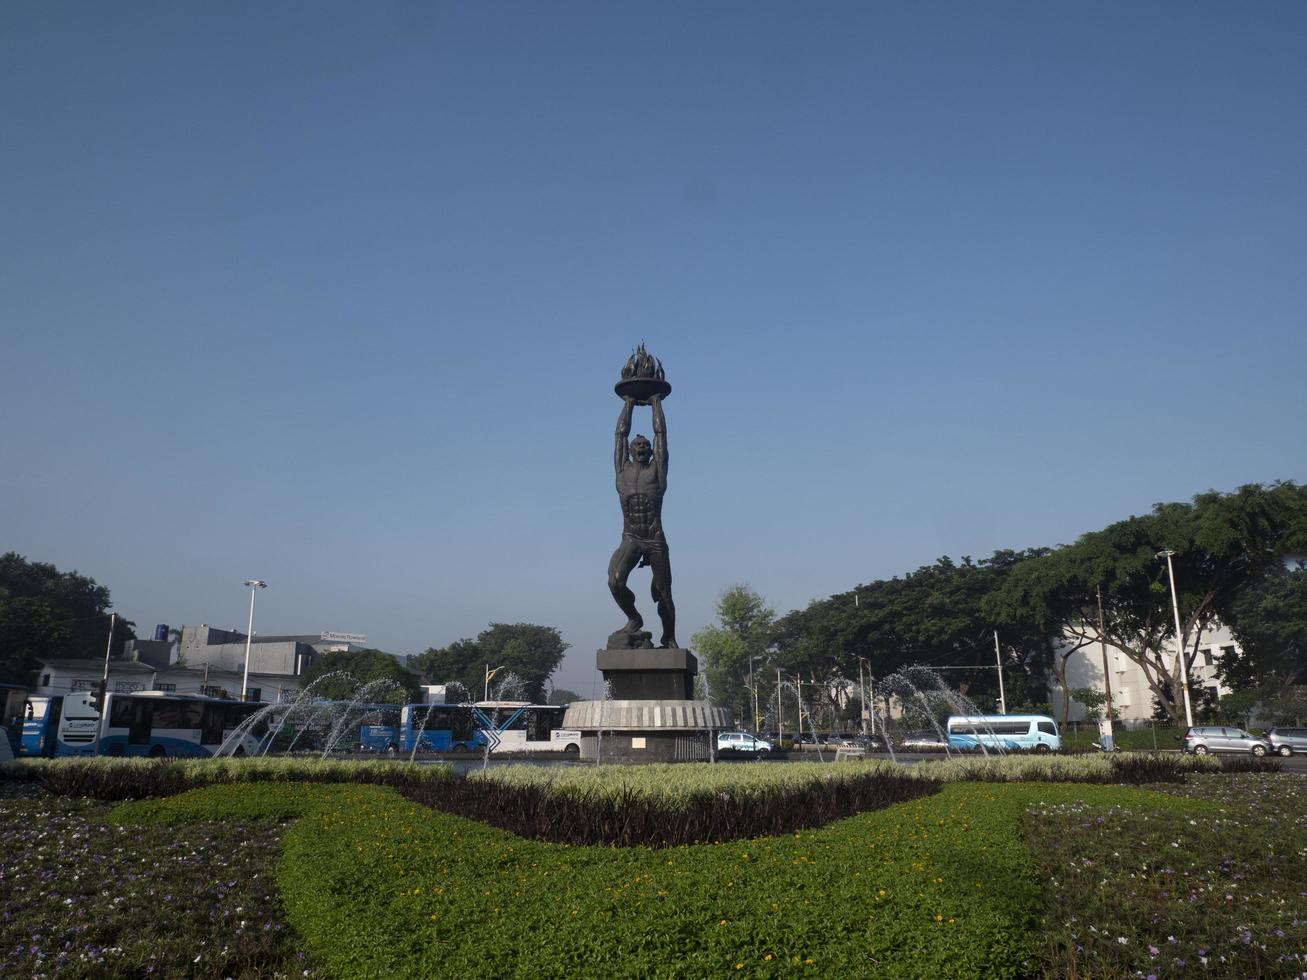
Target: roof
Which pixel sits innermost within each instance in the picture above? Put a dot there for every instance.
(79, 663)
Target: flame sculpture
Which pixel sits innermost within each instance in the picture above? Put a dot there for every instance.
(642, 377)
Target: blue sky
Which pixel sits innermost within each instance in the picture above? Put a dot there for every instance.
(335, 295)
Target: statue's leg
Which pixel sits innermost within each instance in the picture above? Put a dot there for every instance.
(662, 595)
(619, 570)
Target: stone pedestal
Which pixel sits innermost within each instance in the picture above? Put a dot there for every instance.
(639, 675)
(653, 716)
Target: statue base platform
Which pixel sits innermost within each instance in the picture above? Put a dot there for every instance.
(653, 715)
(646, 730)
(648, 674)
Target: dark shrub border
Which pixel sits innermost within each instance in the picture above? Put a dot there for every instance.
(627, 819)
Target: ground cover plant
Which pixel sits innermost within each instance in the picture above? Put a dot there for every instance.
(81, 896)
(940, 886)
(105, 778)
(1137, 892)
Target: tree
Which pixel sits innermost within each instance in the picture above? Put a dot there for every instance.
(935, 616)
(364, 668)
(561, 695)
(743, 630)
(1269, 621)
(532, 652)
(1223, 542)
(46, 613)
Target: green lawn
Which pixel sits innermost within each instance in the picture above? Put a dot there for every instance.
(982, 879)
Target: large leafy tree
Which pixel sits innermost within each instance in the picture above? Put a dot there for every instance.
(46, 613)
(742, 631)
(531, 652)
(1223, 542)
(934, 617)
(1269, 620)
(347, 673)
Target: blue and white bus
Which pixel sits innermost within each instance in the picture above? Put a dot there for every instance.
(424, 727)
(60, 724)
(13, 701)
(158, 724)
(1004, 733)
(522, 727)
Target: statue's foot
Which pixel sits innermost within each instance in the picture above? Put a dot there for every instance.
(669, 643)
(633, 625)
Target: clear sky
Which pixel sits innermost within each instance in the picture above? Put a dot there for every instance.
(335, 295)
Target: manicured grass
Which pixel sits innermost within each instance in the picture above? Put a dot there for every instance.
(1203, 878)
(942, 886)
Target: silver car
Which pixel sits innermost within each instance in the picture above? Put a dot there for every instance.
(1202, 739)
(1287, 741)
(742, 743)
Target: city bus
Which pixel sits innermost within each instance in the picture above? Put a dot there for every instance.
(523, 727)
(60, 724)
(13, 699)
(158, 724)
(1004, 733)
(424, 727)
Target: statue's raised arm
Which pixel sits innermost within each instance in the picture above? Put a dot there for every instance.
(659, 440)
(620, 452)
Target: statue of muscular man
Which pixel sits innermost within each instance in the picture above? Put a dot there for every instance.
(641, 482)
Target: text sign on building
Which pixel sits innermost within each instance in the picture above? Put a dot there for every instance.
(331, 637)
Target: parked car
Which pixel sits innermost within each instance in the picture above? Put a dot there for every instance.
(1202, 739)
(742, 743)
(1287, 741)
(923, 742)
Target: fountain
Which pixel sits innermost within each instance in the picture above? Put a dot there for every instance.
(925, 701)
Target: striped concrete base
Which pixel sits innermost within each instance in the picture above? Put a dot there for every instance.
(646, 716)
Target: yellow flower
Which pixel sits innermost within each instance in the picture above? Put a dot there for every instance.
(739, 966)
(767, 957)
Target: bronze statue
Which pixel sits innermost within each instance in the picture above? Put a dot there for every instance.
(641, 469)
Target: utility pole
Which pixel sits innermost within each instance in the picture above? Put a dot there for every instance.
(1105, 725)
(998, 662)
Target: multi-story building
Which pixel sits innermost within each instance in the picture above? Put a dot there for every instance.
(1132, 698)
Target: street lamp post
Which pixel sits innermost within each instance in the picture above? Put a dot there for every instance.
(489, 674)
(862, 692)
(753, 689)
(1168, 553)
(253, 585)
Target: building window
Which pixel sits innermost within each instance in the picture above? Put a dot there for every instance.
(45, 680)
(212, 691)
(1227, 651)
(1207, 657)
(255, 694)
(127, 687)
(161, 686)
(82, 684)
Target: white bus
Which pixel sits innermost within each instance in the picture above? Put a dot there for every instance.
(158, 724)
(523, 727)
(60, 724)
(1004, 733)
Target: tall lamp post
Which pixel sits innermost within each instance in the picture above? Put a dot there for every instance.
(489, 674)
(753, 689)
(1168, 553)
(253, 585)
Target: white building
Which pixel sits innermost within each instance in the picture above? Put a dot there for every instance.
(1132, 698)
